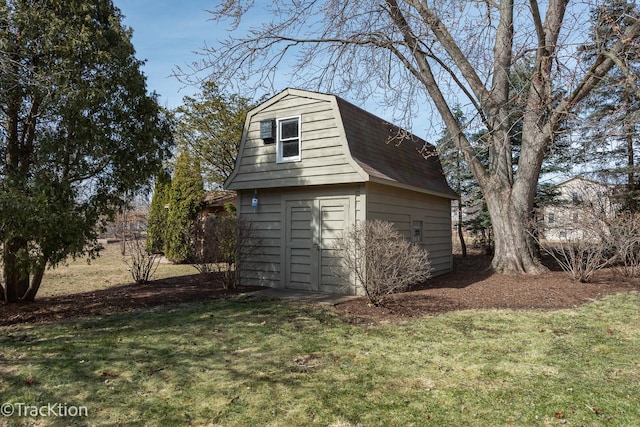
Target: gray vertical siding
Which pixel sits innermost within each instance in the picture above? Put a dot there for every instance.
(268, 222)
(263, 269)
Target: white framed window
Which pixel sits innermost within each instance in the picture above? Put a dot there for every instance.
(288, 147)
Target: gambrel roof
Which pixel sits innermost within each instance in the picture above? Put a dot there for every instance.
(389, 154)
(373, 150)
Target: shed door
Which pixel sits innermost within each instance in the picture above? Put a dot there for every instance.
(299, 243)
(311, 228)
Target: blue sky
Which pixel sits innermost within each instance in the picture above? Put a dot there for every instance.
(166, 33)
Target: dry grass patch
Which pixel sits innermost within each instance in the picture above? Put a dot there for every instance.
(106, 271)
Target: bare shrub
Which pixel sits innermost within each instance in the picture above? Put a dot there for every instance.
(142, 264)
(580, 259)
(579, 239)
(594, 239)
(220, 244)
(381, 260)
(214, 247)
(624, 237)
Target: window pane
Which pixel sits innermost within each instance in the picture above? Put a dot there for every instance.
(289, 129)
(290, 149)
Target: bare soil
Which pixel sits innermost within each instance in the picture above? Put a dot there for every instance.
(174, 290)
(472, 285)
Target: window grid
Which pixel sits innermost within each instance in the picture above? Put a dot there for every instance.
(288, 149)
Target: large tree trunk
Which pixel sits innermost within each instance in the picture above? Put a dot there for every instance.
(21, 283)
(515, 251)
(16, 276)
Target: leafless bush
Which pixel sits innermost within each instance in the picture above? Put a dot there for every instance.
(214, 247)
(142, 265)
(580, 259)
(207, 233)
(381, 260)
(593, 240)
(221, 243)
(579, 238)
(624, 237)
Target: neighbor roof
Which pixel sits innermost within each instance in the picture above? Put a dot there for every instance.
(391, 155)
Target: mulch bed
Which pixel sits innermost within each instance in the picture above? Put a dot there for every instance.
(471, 286)
(175, 290)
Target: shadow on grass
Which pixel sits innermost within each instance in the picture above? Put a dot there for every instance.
(169, 357)
(174, 290)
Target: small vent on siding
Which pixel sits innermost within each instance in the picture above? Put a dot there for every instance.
(268, 131)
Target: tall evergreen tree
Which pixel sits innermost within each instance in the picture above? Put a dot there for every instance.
(78, 132)
(159, 213)
(612, 111)
(185, 202)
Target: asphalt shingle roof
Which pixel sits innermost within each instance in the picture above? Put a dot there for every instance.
(389, 153)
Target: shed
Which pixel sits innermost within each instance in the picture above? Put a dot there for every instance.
(215, 202)
(310, 165)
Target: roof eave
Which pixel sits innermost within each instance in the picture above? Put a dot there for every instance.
(396, 184)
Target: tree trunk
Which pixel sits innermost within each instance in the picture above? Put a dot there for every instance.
(629, 131)
(514, 248)
(34, 286)
(463, 245)
(21, 284)
(16, 276)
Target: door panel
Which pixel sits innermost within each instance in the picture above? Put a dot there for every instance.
(334, 218)
(311, 228)
(298, 245)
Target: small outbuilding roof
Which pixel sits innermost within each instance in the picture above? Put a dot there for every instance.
(389, 154)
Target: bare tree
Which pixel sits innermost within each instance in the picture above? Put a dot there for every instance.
(380, 259)
(453, 52)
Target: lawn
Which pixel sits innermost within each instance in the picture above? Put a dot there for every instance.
(247, 361)
(108, 270)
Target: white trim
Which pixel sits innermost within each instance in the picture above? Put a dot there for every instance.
(279, 158)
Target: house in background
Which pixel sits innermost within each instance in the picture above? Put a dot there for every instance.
(582, 205)
(310, 166)
(216, 202)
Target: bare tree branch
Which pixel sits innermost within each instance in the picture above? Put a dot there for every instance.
(450, 50)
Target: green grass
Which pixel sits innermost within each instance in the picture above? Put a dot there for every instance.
(254, 362)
